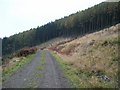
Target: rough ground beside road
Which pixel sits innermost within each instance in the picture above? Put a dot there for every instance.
(35, 75)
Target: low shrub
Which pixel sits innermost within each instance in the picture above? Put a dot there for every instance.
(24, 52)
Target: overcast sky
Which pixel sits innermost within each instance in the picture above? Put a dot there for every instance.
(21, 15)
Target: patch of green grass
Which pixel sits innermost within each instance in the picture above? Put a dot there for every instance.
(40, 68)
(69, 71)
(31, 84)
(39, 75)
(42, 61)
(116, 40)
(16, 66)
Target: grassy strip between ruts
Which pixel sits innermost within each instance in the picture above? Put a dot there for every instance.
(42, 61)
(8, 72)
(32, 83)
(69, 71)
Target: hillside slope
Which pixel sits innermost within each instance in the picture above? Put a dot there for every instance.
(94, 56)
(90, 20)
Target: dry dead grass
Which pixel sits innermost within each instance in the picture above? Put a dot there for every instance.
(94, 54)
(11, 63)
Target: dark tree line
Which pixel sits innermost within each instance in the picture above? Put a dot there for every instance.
(90, 20)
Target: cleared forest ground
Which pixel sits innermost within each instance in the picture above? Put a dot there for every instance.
(94, 56)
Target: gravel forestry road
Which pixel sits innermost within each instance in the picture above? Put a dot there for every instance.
(37, 75)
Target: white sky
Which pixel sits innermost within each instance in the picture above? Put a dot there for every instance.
(20, 15)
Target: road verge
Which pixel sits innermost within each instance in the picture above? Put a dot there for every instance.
(12, 69)
(69, 71)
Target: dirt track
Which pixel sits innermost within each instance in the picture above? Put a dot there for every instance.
(33, 75)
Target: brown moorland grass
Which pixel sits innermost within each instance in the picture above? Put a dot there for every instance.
(95, 56)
